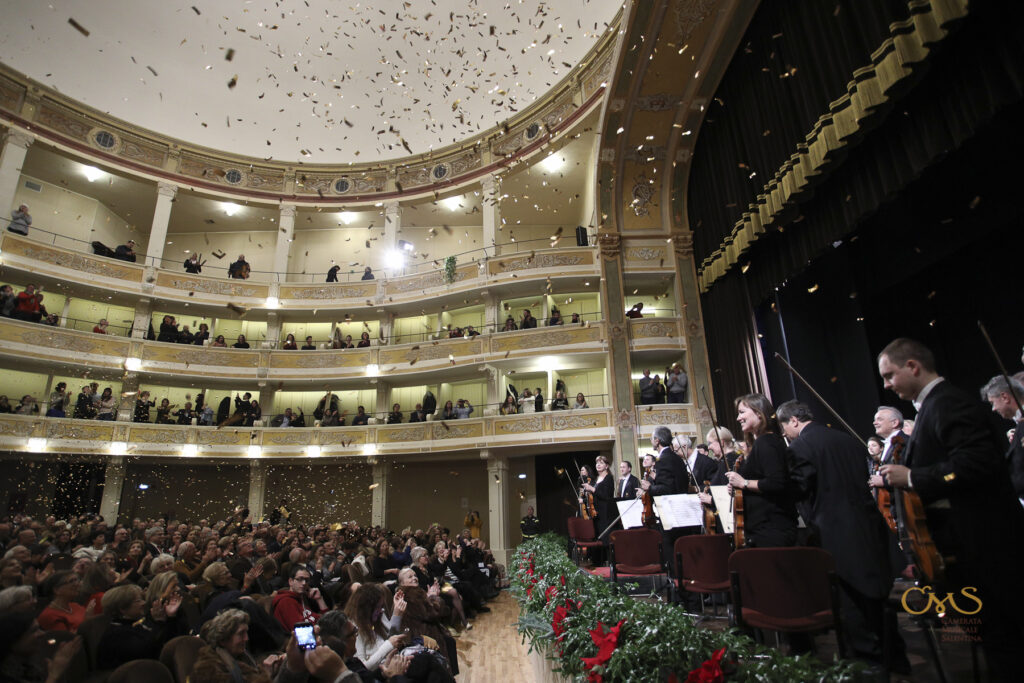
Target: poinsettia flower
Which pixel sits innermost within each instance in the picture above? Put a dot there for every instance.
(606, 643)
(710, 671)
(549, 593)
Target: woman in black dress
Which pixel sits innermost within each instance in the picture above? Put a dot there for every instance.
(768, 507)
(603, 488)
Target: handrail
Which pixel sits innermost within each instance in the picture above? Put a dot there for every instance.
(289, 277)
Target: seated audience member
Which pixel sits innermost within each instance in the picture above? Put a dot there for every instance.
(53, 320)
(448, 412)
(219, 342)
(395, 416)
(332, 274)
(339, 634)
(538, 401)
(528, 322)
(20, 220)
(63, 613)
(299, 602)
(332, 418)
(527, 403)
(361, 418)
(192, 265)
(184, 415)
(368, 273)
(84, 409)
(101, 326)
(374, 643)
(7, 301)
(364, 340)
(556, 317)
(470, 332)
(289, 343)
(142, 406)
(59, 400)
(206, 416)
(18, 599)
(28, 406)
(5, 405)
(239, 270)
(107, 405)
(255, 413)
(240, 343)
(576, 319)
(163, 413)
(636, 311)
(168, 330)
(136, 630)
(463, 409)
(510, 325)
(27, 305)
(581, 402)
(424, 614)
(309, 345)
(190, 565)
(560, 402)
(417, 415)
(186, 336)
(201, 335)
(126, 251)
(509, 407)
(21, 656)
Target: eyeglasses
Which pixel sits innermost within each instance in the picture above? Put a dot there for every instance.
(301, 579)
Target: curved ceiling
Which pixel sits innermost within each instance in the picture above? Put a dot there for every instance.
(314, 81)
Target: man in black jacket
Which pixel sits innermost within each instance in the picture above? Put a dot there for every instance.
(1004, 404)
(954, 463)
(669, 479)
(626, 486)
(843, 519)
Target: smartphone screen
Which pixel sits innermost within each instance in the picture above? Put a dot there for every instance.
(304, 636)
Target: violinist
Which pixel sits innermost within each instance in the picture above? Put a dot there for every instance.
(669, 479)
(722, 453)
(954, 463)
(628, 483)
(602, 488)
(769, 511)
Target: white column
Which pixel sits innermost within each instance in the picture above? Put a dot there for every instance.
(392, 224)
(165, 193)
(12, 157)
(490, 312)
(273, 329)
(126, 407)
(257, 489)
(493, 397)
(491, 211)
(379, 509)
(113, 483)
(285, 235)
(65, 311)
(497, 504)
(143, 316)
(387, 325)
(46, 393)
(383, 395)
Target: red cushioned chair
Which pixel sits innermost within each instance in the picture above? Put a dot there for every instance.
(148, 670)
(636, 553)
(790, 590)
(702, 564)
(581, 536)
(179, 656)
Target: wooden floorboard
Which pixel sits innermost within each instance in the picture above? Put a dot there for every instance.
(493, 650)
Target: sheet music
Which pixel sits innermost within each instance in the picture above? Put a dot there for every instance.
(632, 513)
(723, 501)
(680, 510)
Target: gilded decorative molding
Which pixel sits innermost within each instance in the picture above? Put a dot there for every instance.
(625, 419)
(54, 338)
(331, 436)
(11, 94)
(210, 286)
(323, 184)
(682, 242)
(599, 77)
(152, 435)
(200, 356)
(563, 422)
(216, 171)
(16, 428)
(519, 425)
(561, 336)
(649, 415)
(396, 433)
(286, 437)
(222, 437)
(433, 279)
(71, 260)
(448, 430)
(654, 328)
(347, 358)
(76, 431)
(537, 261)
(645, 254)
(439, 169)
(328, 292)
(610, 244)
(690, 15)
(63, 122)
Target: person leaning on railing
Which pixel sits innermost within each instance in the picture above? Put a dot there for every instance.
(20, 220)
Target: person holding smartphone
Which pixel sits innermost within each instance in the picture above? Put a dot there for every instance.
(299, 602)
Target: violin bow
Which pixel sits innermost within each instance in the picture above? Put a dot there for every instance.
(1002, 368)
(820, 399)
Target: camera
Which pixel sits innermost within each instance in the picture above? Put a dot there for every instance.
(304, 636)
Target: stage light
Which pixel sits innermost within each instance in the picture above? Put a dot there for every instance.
(230, 208)
(452, 203)
(255, 451)
(313, 451)
(92, 173)
(118, 448)
(347, 217)
(394, 260)
(37, 445)
(273, 302)
(190, 450)
(132, 364)
(553, 162)
(369, 449)
(404, 245)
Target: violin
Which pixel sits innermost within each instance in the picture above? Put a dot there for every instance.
(710, 515)
(244, 271)
(884, 501)
(739, 534)
(649, 519)
(587, 508)
(913, 528)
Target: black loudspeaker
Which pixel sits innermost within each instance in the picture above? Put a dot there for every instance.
(581, 236)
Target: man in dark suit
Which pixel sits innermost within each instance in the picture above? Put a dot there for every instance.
(626, 486)
(1004, 404)
(669, 479)
(954, 462)
(843, 519)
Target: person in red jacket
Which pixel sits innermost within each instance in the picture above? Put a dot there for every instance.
(299, 602)
(26, 304)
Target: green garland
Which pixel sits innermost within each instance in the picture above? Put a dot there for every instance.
(449, 269)
(572, 617)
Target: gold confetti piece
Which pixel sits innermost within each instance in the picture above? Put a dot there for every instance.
(78, 27)
(374, 485)
(812, 290)
(974, 203)
(233, 82)
(195, 9)
(230, 54)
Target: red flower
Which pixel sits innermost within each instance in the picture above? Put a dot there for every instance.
(710, 671)
(562, 579)
(558, 621)
(606, 643)
(551, 591)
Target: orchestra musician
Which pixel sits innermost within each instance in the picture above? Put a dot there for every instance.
(954, 463)
(769, 511)
(669, 479)
(842, 518)
(628, 483)
(603, 489)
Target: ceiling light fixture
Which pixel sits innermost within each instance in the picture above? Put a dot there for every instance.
(230, 208)
(452, 203)
(92, 173)
(552, 163)
(347, 217)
